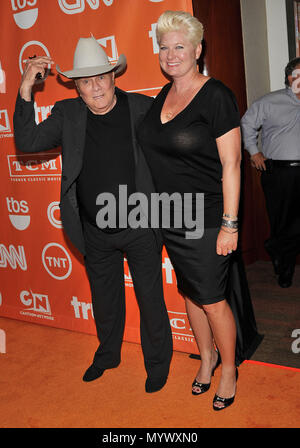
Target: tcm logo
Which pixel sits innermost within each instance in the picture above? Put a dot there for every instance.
(25, 14)
(78, 6)
(82, 310)
(53, 213)
(4, 121)
(37, 302)
(18, 213)
(28, 165)
(12, 257)
(181, 329)
(57, 261)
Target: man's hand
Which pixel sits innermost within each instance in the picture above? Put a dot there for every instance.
(32, 68)
(258, 161)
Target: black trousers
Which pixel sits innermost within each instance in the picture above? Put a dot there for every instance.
(105, 268)
(281, 186)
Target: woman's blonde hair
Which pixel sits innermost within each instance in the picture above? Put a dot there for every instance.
(177, 21)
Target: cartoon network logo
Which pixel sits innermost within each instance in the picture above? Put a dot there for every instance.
(5, 129)
(57, 261)
(12, 257)
(41, 165)
(25, 15)
(18, 213)
(37, 305)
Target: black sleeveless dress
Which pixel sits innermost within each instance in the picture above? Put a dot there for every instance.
(183, 157)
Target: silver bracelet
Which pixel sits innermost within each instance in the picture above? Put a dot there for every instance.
(230, 224)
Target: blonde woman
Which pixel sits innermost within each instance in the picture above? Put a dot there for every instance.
(191, 140)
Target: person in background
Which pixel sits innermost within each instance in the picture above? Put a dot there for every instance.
(277, 115)
(191, 141)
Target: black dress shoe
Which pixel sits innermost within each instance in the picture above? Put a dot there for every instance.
(93, 373)
(155, 384)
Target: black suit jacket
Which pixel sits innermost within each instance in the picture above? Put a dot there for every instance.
(66, 127)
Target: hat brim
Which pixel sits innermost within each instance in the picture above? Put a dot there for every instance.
(94, 71)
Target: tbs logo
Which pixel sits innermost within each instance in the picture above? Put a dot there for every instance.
(18, 213)
(24, 14)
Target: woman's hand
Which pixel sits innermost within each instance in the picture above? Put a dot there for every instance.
(226, 242)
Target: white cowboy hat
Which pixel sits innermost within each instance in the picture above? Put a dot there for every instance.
(90, 60)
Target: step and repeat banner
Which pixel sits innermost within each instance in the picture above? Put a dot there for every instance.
(42, 276)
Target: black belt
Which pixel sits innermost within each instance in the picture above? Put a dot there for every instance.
(284, 163)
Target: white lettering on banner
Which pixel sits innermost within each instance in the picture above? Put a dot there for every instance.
(41, 113)
(83, 306)
(2, 80)
(2, 341)
(181, 329)
(168, 267)
(18, 219)
(0, 299)
(25, 19)
(58, 266)
(52, 208)
(29, 165)
(113, 47)
(38, 302)
(4, 121)
(152, 35)
(13, 257)
(79, 5)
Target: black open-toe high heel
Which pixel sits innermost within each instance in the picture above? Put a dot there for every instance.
(204, 387)
(225, 401)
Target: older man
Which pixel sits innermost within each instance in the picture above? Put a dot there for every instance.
(99, 151)
(277, 114)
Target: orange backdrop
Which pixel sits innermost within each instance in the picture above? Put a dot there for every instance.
(42, 276)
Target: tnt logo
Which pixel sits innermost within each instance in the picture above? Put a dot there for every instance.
(57, 261)
(4, 121)
(37, 302)
(12, 257)
(18, 213)
(28, 165)
(42, 112)
(25, 14)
